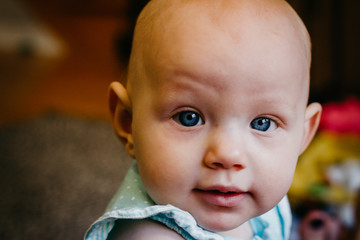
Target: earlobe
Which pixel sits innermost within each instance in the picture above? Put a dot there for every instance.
(312, 120)
(120, 109)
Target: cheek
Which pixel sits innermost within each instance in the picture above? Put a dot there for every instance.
(274, 174)
(277, 184)
(163, 164)
(165, 183)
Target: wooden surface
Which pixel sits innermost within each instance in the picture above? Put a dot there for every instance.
(73, 82)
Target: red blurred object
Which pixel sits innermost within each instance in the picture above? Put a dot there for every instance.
(341, 117)
(319, 225)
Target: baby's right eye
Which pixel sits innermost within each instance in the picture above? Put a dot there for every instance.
(188, 118)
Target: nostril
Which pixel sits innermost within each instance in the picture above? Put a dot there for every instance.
(218, 165)
(238, 166)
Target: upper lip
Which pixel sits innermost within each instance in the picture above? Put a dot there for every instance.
(220, 188)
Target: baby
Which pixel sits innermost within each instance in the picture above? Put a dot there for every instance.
(214, 110)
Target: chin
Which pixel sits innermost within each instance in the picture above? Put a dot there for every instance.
(220, 224)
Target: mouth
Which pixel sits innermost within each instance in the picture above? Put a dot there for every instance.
(227, 197)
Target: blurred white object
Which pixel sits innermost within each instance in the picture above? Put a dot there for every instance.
(20, 31)
(346, 174)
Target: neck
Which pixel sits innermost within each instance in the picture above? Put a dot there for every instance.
(244, 232)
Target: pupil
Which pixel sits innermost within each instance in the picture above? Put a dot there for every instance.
(190, 116)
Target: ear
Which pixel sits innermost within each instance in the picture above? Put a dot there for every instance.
(311, 124)
(121, 115)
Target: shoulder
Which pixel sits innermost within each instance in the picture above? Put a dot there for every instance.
(146, 229)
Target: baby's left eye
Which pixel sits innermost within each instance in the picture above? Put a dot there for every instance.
(263, 124)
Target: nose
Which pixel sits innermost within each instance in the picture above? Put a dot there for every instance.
(225, 151)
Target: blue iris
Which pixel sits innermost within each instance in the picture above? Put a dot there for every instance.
(189, 118)
(261, 124)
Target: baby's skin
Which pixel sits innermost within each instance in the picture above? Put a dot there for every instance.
(214, 109)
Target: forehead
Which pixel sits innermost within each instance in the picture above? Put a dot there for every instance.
(225, 38)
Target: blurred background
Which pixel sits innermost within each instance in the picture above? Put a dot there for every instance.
(60, 162)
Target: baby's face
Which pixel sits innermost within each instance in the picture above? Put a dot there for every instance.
(218, 115)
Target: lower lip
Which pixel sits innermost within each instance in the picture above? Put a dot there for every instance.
(219, 199)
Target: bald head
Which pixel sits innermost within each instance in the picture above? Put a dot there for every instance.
(166, 25)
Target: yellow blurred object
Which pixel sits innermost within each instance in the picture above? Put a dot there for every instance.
(311, 180)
